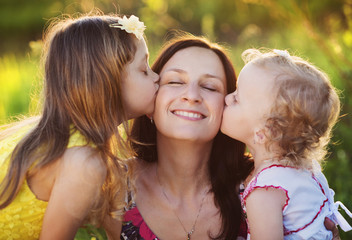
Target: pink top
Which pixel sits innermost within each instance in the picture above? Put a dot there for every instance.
(134, 227)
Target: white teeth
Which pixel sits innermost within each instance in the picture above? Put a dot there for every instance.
(188, 114)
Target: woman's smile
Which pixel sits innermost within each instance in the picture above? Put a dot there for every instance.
(189, 115)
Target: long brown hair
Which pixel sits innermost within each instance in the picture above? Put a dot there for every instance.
(84, 62)
(227, 165)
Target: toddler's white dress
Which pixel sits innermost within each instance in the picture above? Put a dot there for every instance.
(308, 201)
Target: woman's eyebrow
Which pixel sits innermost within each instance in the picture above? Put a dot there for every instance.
(208, 75)
(175, 70)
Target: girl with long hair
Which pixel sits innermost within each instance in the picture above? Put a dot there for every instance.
(66, 167)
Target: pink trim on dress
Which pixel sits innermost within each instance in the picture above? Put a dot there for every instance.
(315, 217)
(299, 229)
(253, 183)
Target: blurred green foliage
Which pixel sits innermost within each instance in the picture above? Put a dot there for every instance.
(320, 31)
(90, 233)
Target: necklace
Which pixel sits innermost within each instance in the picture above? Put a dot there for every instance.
(189, 233)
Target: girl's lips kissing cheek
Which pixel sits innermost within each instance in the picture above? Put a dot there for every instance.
(189, 115)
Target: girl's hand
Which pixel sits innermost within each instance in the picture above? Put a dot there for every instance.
(331, 226)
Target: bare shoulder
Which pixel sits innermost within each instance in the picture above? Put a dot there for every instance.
(76, 189)
(83, 161)
(81, 171)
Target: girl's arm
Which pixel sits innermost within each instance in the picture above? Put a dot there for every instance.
(264, 213)
(77, 186)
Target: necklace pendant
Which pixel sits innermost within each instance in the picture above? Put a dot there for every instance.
(189, 236)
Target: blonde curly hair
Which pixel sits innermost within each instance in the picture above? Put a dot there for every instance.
(305, 109)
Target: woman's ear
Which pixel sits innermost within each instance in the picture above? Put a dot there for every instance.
(150, 116)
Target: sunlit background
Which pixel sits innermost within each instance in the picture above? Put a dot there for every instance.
(320, 31)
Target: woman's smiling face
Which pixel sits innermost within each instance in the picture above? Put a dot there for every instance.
(190, 100)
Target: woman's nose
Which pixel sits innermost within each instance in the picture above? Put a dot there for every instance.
(192, 93)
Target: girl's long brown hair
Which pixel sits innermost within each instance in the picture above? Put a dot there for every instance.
(227, 165)
(84, 61)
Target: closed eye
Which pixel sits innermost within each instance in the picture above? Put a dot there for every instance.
(175, 83)
(212, 89)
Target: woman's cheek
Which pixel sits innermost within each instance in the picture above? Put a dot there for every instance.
(219, 109)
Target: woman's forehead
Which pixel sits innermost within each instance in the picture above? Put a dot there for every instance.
(193, 59)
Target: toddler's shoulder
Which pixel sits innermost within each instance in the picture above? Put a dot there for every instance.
(284, 177)
(280, 173)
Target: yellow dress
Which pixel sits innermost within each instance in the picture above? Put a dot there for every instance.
(23, 218)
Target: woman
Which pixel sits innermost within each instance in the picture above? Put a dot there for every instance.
(188, 173)
(187, 183)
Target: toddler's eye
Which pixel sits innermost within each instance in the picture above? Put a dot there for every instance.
(145, 72)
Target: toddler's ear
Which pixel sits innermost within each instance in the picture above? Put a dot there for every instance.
(259, 136)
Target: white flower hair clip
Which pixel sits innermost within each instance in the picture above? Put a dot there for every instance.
(131, 25)
(282, 53)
